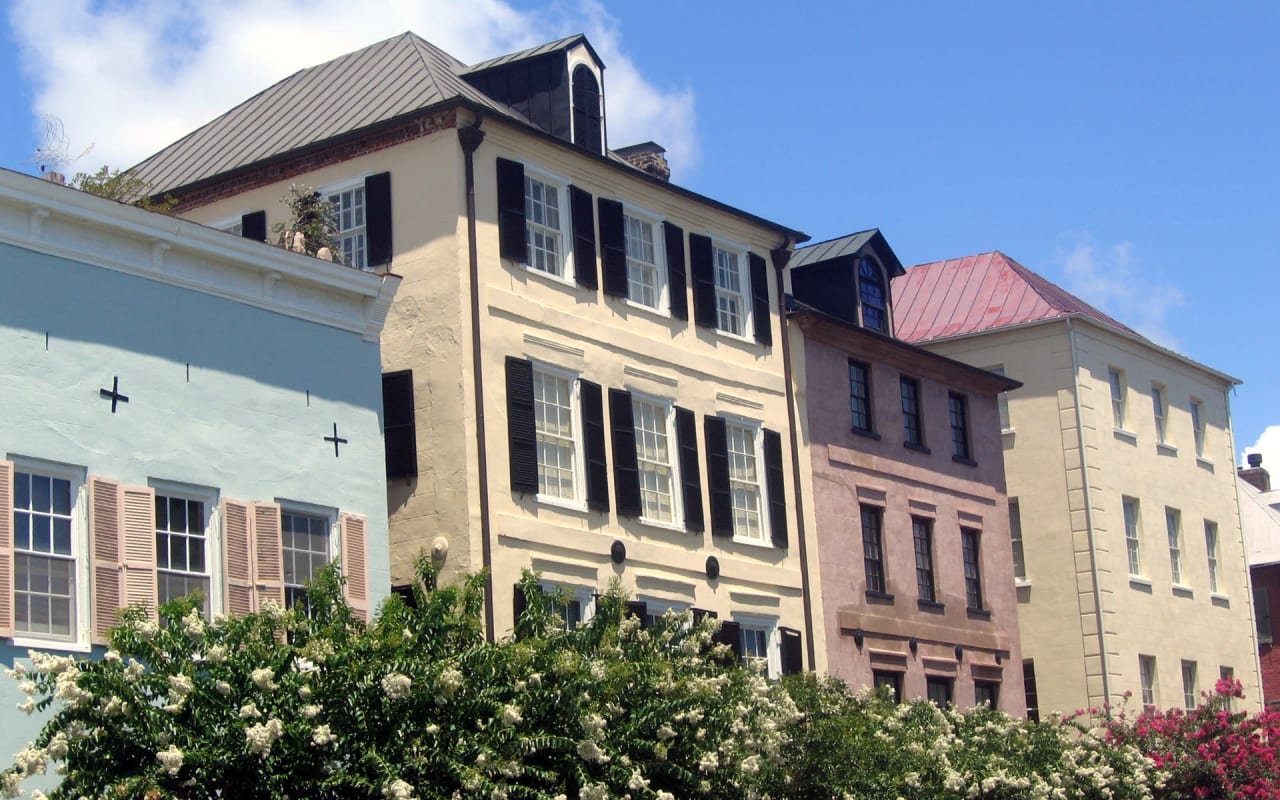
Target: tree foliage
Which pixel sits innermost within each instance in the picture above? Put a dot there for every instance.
(125, 186)
(312, 215)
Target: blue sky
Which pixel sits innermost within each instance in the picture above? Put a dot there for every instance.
(1126, 151)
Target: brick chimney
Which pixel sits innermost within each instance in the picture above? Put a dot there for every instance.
(1255, 474)
(647, 157)
(55, 177)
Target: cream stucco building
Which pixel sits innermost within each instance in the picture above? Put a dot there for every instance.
(1131, 566)
(585, 369)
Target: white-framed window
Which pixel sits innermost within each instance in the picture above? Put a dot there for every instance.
(873, 295)
(546, 231)
(1015, 538)
(1147, 678)
(570, 605)
(1211, 553)
(1197, 425)
(655, 456)
(233, 225)
(655, 611)
(185, 547)
(746, 460)
(307, 545)
(557, 427)
(1173, 522)
(50, 580)
(733, 289)
(760, 645)
(1160, 409)
(1002, 399)
(1118, 391)
(1189, 694)
(349, 219)
(1133, 534)
(646, 278)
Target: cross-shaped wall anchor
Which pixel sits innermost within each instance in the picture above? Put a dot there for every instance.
(337, 440)
(114, 394)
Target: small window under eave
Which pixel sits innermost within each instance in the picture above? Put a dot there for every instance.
(588, 110)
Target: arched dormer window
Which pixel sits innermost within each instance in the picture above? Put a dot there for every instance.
(588, 111)
(872, 296)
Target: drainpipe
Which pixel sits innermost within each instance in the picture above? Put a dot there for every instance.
(1256, 662)
(470, 138)
(1088, 516)
(780, 257)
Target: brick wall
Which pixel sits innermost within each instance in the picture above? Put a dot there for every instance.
(1268, 578)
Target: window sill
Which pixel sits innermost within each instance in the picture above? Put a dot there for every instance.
(764, 544)
(652, 311)
(879, 598)
(1205, 464)
(968, 462)
(35, 643)
(1125, 436)
(558, 502)
(737, 338)
(919, 448)
(1166, 449)
(1021, 583)
(978, 613)
(549, 277)
(1183, 591)
(1140, 583)
(931, 606)
(662, 525)
(1220, 600)
(865, 434)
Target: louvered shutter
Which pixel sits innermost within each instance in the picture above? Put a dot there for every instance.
(355, 563)
(730, 634)
(593, 441)
(399, 430)
(677, 281)
(792, 652)
(237, 557)
(584, 238)
(639, 610)
(716, 436)
(699, 614)
(690, 472)
(613, 247)
(377, 218)
(626, 467)
(521, 426)
(775, 485)
(511, 222)
(140, 548)
(760, 299)
(106, 522)
(703, 271)
(6, 548)
(519, 604)
(268, 553)
(254, 226)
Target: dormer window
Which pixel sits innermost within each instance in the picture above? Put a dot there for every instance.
(872, 295)
(588, 115)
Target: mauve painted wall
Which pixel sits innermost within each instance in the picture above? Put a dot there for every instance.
(1268, 577)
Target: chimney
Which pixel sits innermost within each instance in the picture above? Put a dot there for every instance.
(55, 177)
(1255, 474)
(647, 157)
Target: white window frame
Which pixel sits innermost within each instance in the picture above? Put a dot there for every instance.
(1189, 693)
(658, 608)
(756, 429)
(212, 534)
(233, 225)
(1160, 411)
(1198, 425)
(579, 500)
(773, 646)
(744, 287)
(1017, 543)
(1211, 545)
(660, 287)
(1002, 401)
(309, 510)
(1148, 680)
(1173, 527)
(565, 231)
(362, 230)
(574, 63)
(1133, 534)
(81, 556)
(1119, 388)
(584, 596)
(673, 460)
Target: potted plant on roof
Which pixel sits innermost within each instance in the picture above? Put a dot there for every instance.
(312, 227)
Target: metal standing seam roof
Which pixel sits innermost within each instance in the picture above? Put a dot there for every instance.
(532, 52)
(832, 248)
(981, 293)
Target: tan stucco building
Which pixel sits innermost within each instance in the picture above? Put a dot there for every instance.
(1131, 566)
(585, 362)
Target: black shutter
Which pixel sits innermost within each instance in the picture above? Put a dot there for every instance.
(730, 633)
(377, 218)
(399, 437)
(792, 653)
(521, 434)
(690, 473)
(704, 280)
(773, 478)
(677, 285)
(699, 614)
(254, 226)
(626, 468)
(613, 247)
(717, 442)
(593, 438)
(584, 238)
(511, 232)
(760, 299)
(519, 603)
(639, 610)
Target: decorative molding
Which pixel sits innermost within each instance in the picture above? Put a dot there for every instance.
(751, 599)
(636, 372)
(538, 341)
(739, 401)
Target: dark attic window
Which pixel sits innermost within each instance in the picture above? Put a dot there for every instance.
(588, 110)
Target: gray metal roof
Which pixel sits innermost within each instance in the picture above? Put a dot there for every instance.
(533, 52)
(371, 85)
(832, 248)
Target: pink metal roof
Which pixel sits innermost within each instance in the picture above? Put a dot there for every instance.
(979, 293)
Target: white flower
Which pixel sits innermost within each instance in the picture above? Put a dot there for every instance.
(666, 732)
(511, 716)
(305, 665)
(263, 679)
(111, 657)
(134, 670)
(148, 629)
(223, 688)
(588, 750)
(216, 654)
(666, 796)
(709, 761)
(322, 736)
(304, 692)
(180, 685)
(27, 706)
(310, 711)
(11, 785)
(58, 746)
(433, 729)
(193, 625)
(593, 725)
(751, 764)
(594, 791)
(250, 711)
(259, 738)
(170, 759)
(637, 781)
(449, 682)
(396, 686)
(397, 790)
(36, 794)
(31, 760)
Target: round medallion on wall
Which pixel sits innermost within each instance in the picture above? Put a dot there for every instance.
(713, 568)
(618, 552)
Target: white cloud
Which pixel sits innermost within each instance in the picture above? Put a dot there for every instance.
(1110, 280)
(130, 77)
(1269, 445)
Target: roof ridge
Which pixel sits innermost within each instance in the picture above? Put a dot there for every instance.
(838, 238)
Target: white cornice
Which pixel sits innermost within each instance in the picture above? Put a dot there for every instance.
(60, 221)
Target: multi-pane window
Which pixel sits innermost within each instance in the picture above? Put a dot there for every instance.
(181, 563)
(912, 427)
(744, 482)
(1015, 539)
(889, 680)
(1147, 677)
(959, 426)
(554, 428)
(1116, 377)
(642, 262)
(1002, 400)
(348, 217)
(1161, 410)
(1197, 425)
(938, 690)
(544, 250)
(653, 454)
(1228, 674)
(986, 693)
(972, 568)
(755, 646)
(564, 608)
(731, 292)
(1262, 614)
(860, 396)
(1029, 688)
(1173, 523)
(871, 293)
(1211, 552)
(1189, 684)
(305, 546)
(922, 534)
(872, 547)
(43, 562)
(1132, 535)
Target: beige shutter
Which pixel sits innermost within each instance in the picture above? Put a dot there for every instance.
(355, 563)
(237, 557)
(6, 548)
(106, 521)
(140, 548)
(268, 554)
